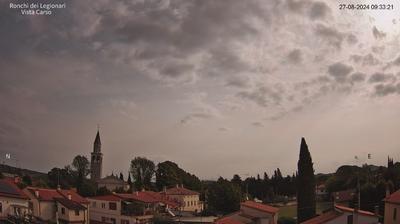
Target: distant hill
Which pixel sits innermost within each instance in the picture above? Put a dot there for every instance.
(6, 169)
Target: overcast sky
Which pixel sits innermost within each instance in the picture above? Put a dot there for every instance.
(219, 87)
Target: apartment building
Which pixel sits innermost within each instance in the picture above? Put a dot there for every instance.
(137, 207)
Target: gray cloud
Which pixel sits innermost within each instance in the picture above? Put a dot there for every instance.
(330, 35)
(263, 95)
(319, 10)
(381, 77)
(257, 124)
(339, 71)
(365, 60)
(357, 77)
(295, 56)
(378, 34)
(386, 89)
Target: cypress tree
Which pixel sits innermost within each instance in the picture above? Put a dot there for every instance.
(306, 203)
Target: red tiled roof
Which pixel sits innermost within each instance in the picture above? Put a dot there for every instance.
(9, 189)
(393, 198)
(110, 197)
(44, 194)
(74, 196)
(180, 191)
(323, 218)
(227, 220)
(51, 194)
(142, 196)
(260, 206)
(347, 209)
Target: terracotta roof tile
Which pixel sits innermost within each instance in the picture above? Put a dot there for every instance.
(347, 209)
(180, 191)
(51, 194)
(393, 198)
(260, 206)
(323, 218)
(227, 220)
(9, 189)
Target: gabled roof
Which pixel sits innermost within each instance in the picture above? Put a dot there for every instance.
(70, 204)
(332, 214)
(347, 209)
(227, 220)
(51, 194)
(393, 198)
(260, 207)
(141, 196)
(180, 191)
(9, 189)
(323, 218)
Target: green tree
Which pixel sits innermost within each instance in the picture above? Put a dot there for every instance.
(169, 174)
(81, 167)
(121, 176)
(142, 171)
(223, 197)
(306, 201)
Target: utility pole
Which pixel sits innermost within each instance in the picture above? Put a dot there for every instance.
(358, 191)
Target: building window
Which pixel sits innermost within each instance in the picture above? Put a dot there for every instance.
(124, 221)
(394, 213)
(1, 207)
(94, 204)
(103, 205)
(76, 212)
(112, 206)
(113, 221)
(63, 211)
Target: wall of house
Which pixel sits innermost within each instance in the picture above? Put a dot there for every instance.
(97, 213)
(364, 219)
(8, 203)
(190, 203)
(389, 213)
(70, 214)
(96, 210)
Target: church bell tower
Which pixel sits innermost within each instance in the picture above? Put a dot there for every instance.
(96, 160)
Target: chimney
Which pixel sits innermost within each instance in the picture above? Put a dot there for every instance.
(177, 185)
(165, 189)
(137, 193)
(58, 187)
(69, 197)
(181, 185)
(37, 193)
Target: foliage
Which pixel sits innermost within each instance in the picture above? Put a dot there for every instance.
(142, 171)
(103, 191)
(81, 167)
(64, 177)
(306, 198)
(223, 196)
(169, 174)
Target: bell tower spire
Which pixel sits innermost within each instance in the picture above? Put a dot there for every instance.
(96, 158)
